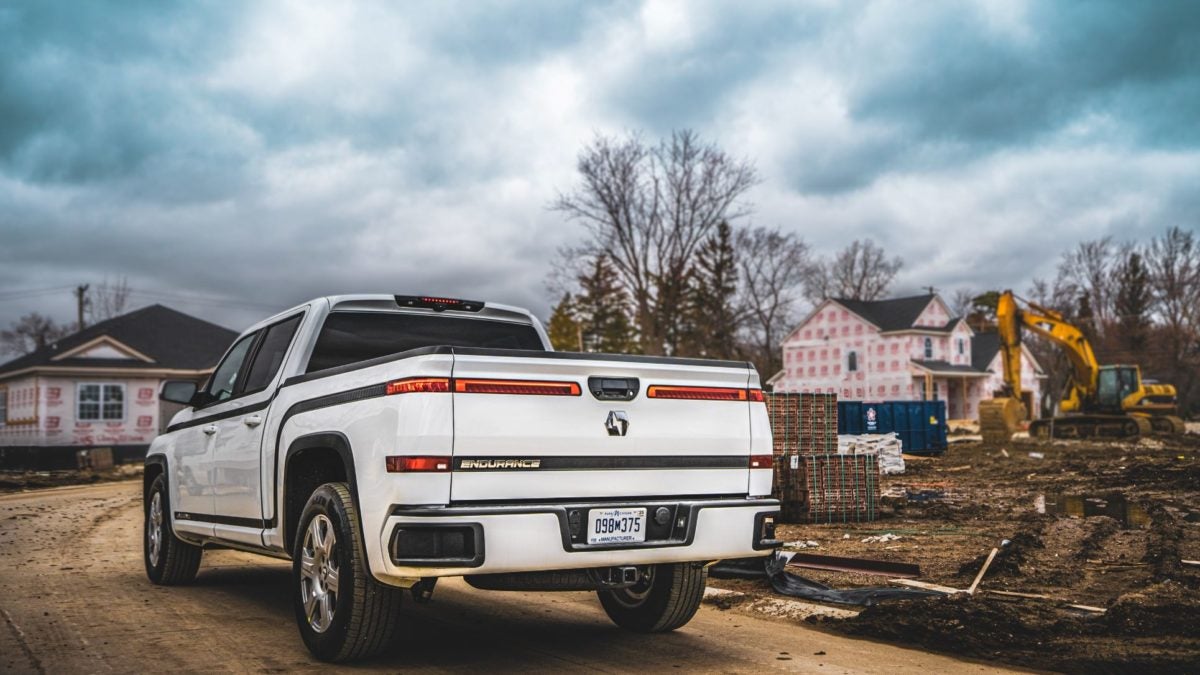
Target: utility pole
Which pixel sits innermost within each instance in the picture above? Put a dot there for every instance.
(81, 303)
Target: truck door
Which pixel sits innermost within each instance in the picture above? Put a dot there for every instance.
(237, 457)
(192, 459)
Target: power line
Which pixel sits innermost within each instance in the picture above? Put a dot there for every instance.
(31, 292)
(202, 300)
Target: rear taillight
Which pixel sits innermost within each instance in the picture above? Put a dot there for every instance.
(518, 387)
(704, 393)
(762, 461)
(417, 464)
(419, 385)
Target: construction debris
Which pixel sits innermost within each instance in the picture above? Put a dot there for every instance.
(887, 446)
(881, 538)
(792, 585)
(888, 568)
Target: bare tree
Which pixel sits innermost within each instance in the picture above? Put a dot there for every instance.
(773, 267)
(30, 333)
(1088, 270)
(649, 209)
(1173, 261)
(107, 300)
(963, 302)
(861, 271)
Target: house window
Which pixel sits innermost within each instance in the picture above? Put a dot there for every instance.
(852, 361)
(961, 345)
(929, 348)
(100, 402)
(3, 406)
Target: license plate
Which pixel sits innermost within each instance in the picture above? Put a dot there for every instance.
(616, 526)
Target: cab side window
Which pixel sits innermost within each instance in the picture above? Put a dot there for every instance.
(224, 380)
(270, 354)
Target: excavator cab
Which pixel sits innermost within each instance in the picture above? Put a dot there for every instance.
(1113, 385)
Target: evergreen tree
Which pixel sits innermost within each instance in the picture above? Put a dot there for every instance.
(710, 316)
(603, 310)
(1133, 302)
(563, 327)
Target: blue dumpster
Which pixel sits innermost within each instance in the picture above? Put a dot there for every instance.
(921, 425)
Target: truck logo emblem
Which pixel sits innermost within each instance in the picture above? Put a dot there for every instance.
(617, 423)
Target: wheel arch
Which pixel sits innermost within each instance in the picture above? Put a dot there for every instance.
(155, 466)
(312, 460)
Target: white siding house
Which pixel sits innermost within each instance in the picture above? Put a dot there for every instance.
(899, 349)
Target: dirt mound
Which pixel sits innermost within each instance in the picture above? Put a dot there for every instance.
(962, 624)
(1158, 610)
(1009, 559)
(1162, 550)
(1102, 527)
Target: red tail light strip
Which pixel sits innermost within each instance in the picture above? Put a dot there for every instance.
(704, 393)
(762, 461)
(419, 385)
(442, 385)
(397, 464)
(522, 387)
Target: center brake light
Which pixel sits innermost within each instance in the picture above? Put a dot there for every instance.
(704, 393)
(438, 304)
(526, 387)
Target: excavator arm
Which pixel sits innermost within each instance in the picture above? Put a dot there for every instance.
(1011, 320)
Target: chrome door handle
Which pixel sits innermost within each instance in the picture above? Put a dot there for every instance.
(210, 429)
(252, 421)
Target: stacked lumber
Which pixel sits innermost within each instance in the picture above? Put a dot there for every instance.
(888, 447)
(841, 488)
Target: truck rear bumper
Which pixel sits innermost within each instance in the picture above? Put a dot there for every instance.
(459, 540)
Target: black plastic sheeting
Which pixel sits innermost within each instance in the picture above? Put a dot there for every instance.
(784, 582)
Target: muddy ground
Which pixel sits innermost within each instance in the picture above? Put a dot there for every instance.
(1104, 525)
(17, 481)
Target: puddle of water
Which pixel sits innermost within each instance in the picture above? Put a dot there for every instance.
(1114, 505)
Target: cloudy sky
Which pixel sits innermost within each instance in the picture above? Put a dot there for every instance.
(230, 159)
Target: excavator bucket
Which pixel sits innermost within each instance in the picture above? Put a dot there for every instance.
(999, 418)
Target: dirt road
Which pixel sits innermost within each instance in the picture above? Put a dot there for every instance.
(74, 597)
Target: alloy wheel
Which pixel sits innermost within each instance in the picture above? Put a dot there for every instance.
(319, 573)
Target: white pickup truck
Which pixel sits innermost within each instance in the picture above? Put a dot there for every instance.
(381, 442)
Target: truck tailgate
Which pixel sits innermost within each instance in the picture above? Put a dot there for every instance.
(513, 444)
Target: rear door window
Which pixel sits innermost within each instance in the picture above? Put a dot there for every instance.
(350, 337)
(270, 354)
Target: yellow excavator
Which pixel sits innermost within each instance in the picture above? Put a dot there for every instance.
(1099, 401)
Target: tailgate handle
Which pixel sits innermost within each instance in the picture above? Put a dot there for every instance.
(614, 388)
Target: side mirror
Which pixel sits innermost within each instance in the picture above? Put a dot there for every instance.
(179, 391)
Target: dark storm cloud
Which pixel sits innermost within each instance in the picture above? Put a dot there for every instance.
(271, 152)
(951, 80)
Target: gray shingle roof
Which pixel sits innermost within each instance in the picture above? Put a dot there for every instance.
(173, 339)
(947, 367)
(894, 314)
(984, 347)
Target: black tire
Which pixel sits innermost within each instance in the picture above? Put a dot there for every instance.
(365, 613)
(173, 561)
(664, 601)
